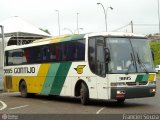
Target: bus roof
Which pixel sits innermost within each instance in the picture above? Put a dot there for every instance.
(116, 34)
(48, 41)
(72, 37)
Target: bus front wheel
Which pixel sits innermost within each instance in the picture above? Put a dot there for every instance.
(23, 89)
(120, 101)
(84, 94)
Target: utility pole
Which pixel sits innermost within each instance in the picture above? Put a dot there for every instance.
(158, 16)
(58, 22)
(131, 26)
(77, 23)
(2, 44)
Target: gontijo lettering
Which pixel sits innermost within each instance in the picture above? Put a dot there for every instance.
(24, 70)
(20, 70)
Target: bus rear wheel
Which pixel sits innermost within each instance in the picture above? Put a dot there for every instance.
(23, 89)
(84, 94)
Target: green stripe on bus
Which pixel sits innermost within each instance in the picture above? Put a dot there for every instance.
(49, 78)
(139, 78)
(73, 37)
(145, 78)
(60, 78)
(142, 78)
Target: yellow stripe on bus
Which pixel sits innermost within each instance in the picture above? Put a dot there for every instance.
(40, 79)
(34, 83)
(151, 77)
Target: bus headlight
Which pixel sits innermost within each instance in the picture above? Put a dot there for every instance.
(118, 84)
(152, 83)
(152, 90)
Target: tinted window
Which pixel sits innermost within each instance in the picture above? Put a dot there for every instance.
(64, 51)
(91, 55)
(15, 57)
(96, 56)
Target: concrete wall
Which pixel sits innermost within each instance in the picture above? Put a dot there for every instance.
(1, 61)
(0, 56)
(1, 81)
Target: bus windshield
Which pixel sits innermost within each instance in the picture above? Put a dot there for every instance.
(129, 55)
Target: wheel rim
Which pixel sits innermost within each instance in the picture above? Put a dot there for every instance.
(82, 95)
(23, 89)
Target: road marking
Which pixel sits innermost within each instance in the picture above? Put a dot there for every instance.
(18, 107)
(3, 105)
(99, 110)
(10, 93)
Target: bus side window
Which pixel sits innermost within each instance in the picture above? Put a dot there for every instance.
(8, 59)
(52, 49)
(26, 54)
(79, 50)
(91, 54)
(47, 54)
(64, 51)
(37, 54)
(32, 55)
(100, 58)
(76, 53)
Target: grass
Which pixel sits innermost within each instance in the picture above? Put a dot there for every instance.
(158, 75)
(156, 48)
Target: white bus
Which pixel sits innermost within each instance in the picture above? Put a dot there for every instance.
(106, 66)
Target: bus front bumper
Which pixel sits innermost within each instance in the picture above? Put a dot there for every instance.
(132, 92)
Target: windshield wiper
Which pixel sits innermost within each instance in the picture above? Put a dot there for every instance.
(132, 63)
(141, 64)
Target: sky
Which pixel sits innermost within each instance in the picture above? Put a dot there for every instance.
(42, 14)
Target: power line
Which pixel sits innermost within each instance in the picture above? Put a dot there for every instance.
(145, 24)
(120, 28)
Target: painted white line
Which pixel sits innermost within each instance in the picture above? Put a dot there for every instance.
(3, 105)
(99, 110)
(10, 93)
(18, 107)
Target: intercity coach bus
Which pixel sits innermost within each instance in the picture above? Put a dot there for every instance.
(107, 66)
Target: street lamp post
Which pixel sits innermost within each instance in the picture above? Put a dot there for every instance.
(78, 30)
(58, 21)
(131, 26)
(77, 23)
(2, 43)
(158, 16)
(105, 12)
(68, 30)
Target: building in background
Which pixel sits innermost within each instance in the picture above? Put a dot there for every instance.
(17, 32)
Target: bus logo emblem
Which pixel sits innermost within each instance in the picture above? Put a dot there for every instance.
(79, 69)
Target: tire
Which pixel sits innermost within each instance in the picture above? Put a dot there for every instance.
(158, 71)
(120, 101)
(84, 94)
(23, 89)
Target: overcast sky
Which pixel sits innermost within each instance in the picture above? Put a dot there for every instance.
(41, 13)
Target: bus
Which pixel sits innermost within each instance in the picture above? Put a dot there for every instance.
(106, 66)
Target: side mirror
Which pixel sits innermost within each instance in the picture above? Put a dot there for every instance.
(107, 55)
(152, 52)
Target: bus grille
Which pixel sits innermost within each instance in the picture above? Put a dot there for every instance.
(136, 83)
(8, 82)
